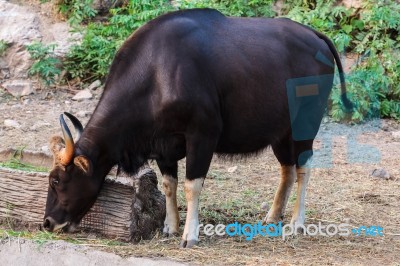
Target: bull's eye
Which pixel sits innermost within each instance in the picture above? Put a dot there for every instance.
(55, 181)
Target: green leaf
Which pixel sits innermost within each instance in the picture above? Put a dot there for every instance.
(347, 28)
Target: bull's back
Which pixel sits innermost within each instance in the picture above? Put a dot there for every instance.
(252, 62)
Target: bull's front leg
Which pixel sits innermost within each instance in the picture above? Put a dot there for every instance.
(171, 223)
(170, 183)
(190, 235)
(198, 159)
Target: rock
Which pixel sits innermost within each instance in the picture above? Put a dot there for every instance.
(82, 114)
(103, 6)
(83, 95)
(385, 127)
(396, 135)
(62, 36)
(18, 24)
(4, 69)
(278, 6)
(350, 61)
(95, 84)
(347, 220)
(39, 125)
(18, 88)
(381, 173)
(19, 27)
(19, 61)
(264, 206)
(3, 63)
(232, 169)
(11, 123)
(45, 149)
(352, 3)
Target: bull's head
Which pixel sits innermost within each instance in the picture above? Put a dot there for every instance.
(72, 190)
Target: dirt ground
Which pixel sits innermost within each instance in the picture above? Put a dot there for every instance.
(37, 117)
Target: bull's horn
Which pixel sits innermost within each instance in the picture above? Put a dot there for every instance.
(77, 124)
(67, 153)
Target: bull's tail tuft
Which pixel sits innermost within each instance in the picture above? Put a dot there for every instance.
(347, 103)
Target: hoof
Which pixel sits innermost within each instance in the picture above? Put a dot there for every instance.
(165, 234)
(298, 227)
(268, 220)
(168, 231)
(188, 243)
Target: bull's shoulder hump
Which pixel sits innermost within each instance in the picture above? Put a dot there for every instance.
(182, 17)
(178, 23)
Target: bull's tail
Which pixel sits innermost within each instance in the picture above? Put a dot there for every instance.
(346, 102)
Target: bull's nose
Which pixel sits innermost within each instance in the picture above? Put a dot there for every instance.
(48, 224)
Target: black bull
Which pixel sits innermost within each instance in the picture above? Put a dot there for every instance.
(191, 84)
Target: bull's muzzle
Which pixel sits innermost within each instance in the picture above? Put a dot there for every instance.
(49, 224)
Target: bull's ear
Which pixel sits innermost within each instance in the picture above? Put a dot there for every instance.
(84, 164)
(56, 145)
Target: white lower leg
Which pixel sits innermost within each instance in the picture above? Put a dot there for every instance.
(288, 177)
(171, 223)
(303, 175)
(193, 189)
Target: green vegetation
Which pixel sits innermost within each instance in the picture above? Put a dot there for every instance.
(3, 47)
(91, 59)
(46, 65)
(77, 11)
(371, 32)
(15, 163)
(41, 237)
(18, 165)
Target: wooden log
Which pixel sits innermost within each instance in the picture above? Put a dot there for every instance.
(127, 209)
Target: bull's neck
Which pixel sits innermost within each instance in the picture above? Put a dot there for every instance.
(108, 143)
(95, 145)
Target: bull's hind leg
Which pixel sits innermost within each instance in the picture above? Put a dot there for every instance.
(276, 213)
(303, 175)
(284, 153)
(170, 184)
(303, 151)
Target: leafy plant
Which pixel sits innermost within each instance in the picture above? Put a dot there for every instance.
(77, 10)
(238, 8)
(91, 59)
(373, 34)
(3, 47)
(46, 65)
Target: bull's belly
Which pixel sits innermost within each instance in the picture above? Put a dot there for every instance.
(249, 141)
(234, 148)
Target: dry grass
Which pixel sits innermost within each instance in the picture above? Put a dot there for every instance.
(345, 193)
